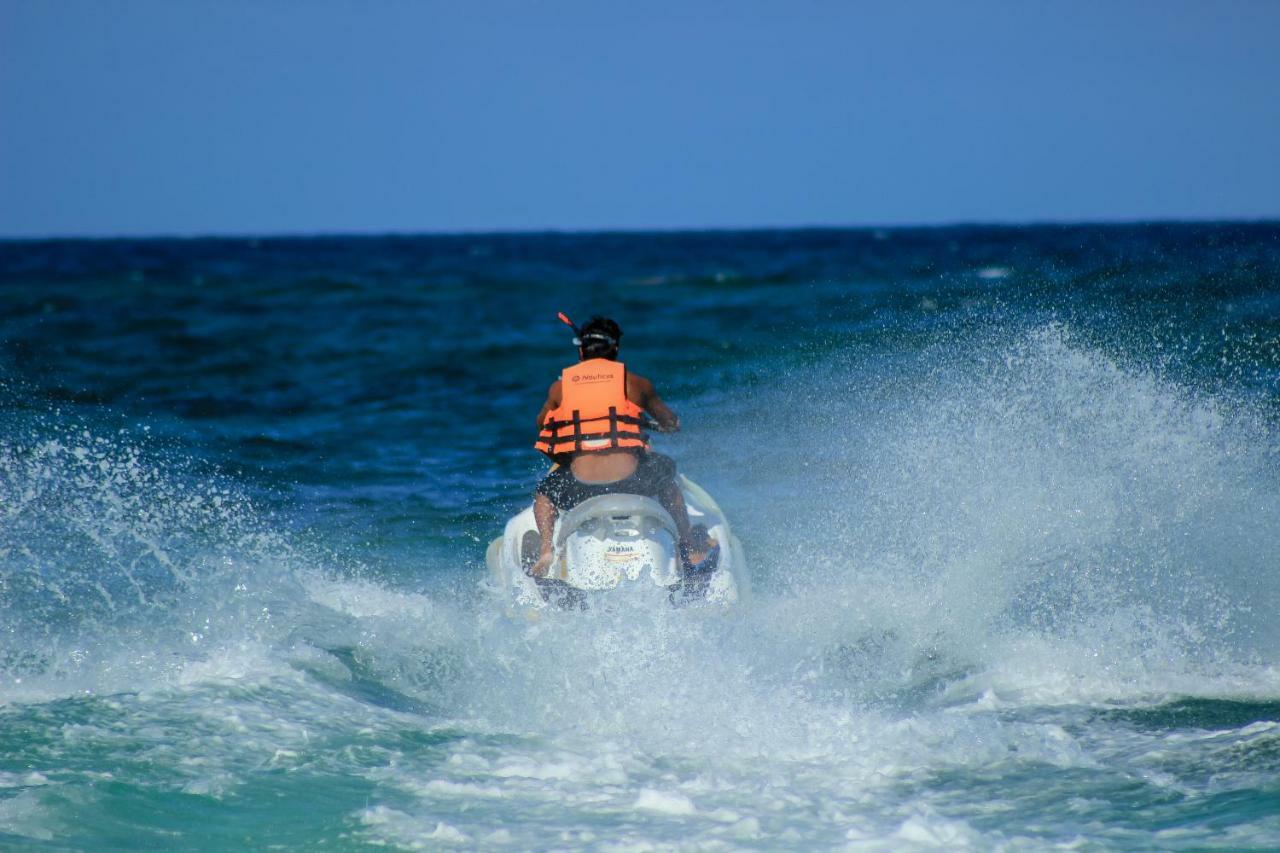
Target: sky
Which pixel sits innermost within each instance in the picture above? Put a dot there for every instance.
(159, 117)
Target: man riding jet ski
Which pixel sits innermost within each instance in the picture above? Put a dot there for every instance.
(612, 510)
(593, 427)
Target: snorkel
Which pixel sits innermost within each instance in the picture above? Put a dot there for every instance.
(577, 335)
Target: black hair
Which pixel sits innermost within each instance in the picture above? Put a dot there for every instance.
(600, 337)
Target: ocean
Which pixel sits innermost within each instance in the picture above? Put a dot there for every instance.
(1010, 498)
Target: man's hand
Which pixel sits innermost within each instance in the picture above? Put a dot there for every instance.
(667, 428)
(539, 569)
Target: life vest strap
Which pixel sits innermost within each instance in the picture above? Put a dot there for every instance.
(623, 436)
(554, 425)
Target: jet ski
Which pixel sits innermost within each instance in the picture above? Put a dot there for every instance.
(610, 541)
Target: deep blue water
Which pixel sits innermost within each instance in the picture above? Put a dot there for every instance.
(1009, 495)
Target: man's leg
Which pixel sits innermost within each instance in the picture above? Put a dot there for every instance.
(672, 500)
(544, 515)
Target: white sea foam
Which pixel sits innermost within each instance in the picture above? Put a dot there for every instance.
(665, 802)
(1026, 540)
(24, 815)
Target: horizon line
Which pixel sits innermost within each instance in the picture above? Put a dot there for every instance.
(629, 230)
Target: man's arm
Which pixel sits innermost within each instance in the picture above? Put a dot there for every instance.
(553, 400)
(646, 397)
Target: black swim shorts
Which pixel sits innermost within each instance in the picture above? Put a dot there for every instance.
(653, 473)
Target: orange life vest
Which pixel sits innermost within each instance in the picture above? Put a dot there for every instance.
(594, 413)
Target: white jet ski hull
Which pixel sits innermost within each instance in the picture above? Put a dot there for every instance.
(616, 540)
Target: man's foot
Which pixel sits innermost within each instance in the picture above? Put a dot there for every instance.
(539, 568)
(700, 553)
(698, 561)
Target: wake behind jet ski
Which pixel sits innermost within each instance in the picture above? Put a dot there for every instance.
(608, 483)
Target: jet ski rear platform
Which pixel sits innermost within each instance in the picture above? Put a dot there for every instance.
(610, 541)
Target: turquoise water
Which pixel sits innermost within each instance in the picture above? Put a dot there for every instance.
(1010, 497)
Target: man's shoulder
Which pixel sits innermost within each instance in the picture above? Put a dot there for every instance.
(640, 381)
(638, 387)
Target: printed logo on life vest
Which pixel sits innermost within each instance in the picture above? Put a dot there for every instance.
(592, 377)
